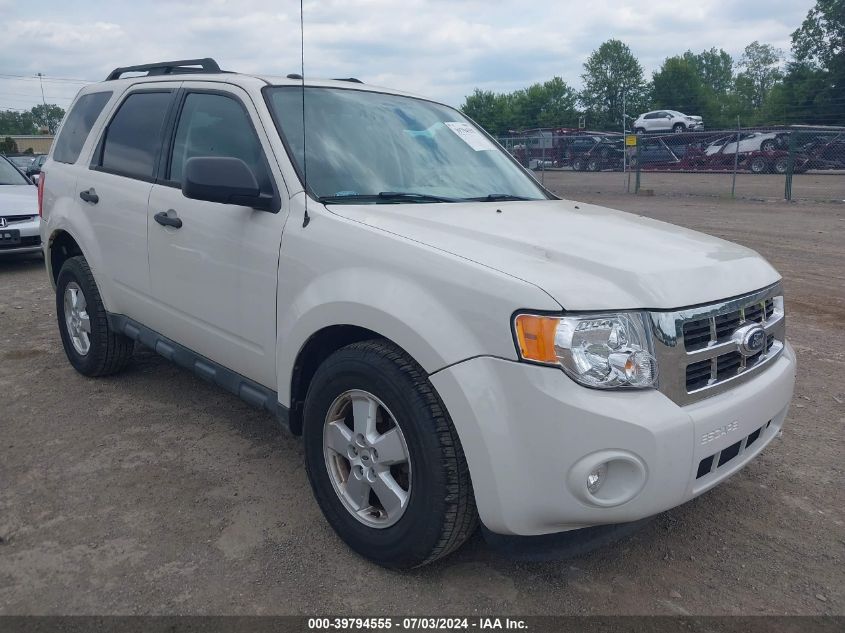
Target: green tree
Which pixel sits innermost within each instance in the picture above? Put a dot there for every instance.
(487, 109)
(549, 104)
(14, 122)
(47, 117)
(814, 88)
(760, 64)
(714, 68)
(8, 146)
(821, 37)
(610, 72)
(678, 86)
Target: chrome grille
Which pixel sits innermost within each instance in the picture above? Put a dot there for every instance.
(696, 347)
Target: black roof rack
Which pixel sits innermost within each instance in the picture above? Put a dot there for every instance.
(178, 67)
(352, 79)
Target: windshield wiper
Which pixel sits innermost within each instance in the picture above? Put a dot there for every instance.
(497, 197)
(388, 196)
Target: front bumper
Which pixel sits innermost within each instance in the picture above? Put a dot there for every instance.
(30, 232)
(530, 434)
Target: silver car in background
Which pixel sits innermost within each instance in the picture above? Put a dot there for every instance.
(19, 219)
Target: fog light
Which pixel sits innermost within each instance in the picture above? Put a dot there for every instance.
(596, 478)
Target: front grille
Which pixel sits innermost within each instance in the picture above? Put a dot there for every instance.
(703, 349)
(728, 365)
(19, 218)
(713, 462)
(701, 332)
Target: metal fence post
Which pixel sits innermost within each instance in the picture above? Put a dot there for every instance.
(790, 166)
(639, 165)
(736, 159)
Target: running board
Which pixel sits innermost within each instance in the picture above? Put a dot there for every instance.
(247, 390)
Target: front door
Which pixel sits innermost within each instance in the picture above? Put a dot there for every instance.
(215, 276)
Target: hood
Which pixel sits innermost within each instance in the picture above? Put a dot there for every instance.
(586, 257)
(18, 200)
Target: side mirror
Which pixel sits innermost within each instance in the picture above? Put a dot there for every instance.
(225, 180)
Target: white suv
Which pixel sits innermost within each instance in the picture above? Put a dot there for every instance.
(453, 342)
(668, 121)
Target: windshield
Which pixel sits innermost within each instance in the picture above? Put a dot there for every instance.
(21, 161)
(9, 175)
(388, 148)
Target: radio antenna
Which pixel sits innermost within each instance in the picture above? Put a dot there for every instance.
(306, 218)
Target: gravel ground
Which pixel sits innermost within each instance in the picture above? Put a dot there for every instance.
(154, 493)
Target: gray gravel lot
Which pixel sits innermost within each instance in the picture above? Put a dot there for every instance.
(152, 492)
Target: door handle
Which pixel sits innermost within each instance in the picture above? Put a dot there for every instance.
(165, 220)
(90, 196)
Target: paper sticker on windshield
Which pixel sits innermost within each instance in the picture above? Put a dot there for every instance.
(472, 137)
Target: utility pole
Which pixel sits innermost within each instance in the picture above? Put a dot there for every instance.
(44, 102)
(43, 99)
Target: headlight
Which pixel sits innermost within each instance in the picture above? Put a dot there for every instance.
(605, 351)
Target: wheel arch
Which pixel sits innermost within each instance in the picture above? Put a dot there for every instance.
(61, 246)
(312, 354)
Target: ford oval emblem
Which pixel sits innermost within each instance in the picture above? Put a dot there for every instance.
(751, 339)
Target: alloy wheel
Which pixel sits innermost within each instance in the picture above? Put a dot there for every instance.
(367, 459)
(77, 321)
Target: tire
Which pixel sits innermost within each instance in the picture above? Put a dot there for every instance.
(594, 165)
(578, 164)
(439, 512)
(780, 165)
(678, 128)
(768, 146)
(759, 165)
(98, 351)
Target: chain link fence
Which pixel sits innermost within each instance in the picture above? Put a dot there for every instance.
(786, 163)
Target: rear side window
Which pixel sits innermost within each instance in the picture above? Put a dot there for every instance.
(78, 125)
(132, 141)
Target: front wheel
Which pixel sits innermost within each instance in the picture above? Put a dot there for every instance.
(383, 458)
(578, 164)
(781, 165)
(678, 128)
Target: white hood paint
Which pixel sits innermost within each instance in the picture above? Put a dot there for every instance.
(18, 200)
(586, 257)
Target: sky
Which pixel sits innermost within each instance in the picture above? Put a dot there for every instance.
(442, 49)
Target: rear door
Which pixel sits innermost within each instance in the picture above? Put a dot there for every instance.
(215, 277)
(114, 192)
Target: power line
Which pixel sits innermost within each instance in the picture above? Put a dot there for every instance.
(27, 94)
(35, 77)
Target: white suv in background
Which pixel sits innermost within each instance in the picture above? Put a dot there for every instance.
(668, 121)
(453, 342)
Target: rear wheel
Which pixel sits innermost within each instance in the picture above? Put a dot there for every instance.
(594, 165)
(384, 460)
(759, 165)
(91, 346)
(768, 146)
(781, 165)
(578, 164)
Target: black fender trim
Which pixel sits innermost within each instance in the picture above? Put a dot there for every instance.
(248, 390)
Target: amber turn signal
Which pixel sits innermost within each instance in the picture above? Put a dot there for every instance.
(536, 337)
